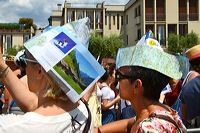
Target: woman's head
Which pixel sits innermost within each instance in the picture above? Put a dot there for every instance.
(109, 73)
(39, 80)
(152, 81)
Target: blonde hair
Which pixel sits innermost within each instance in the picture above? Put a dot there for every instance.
(53, 90)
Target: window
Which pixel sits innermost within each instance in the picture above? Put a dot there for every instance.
(135, 12)
(8, 43)
(113, 20)
(26, 38)
(110, 22)
(161, 34)
(126, 19)
(126, 39)
(139, 12)
(73, 16)
(118, 21)
(193, 10)
(105, 20)
(122, 20)
(138, 34)
(183, 29)
(172, 28)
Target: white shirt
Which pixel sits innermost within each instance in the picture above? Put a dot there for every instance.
(108, 94)
(35, 123)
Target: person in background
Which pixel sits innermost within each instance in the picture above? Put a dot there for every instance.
(190, 91)
(108, 95)
(171, 97)
(141, 78)
(193, 55)
(93, 98)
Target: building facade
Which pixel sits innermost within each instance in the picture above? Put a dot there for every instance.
(12, 35)
(133, 19)
(104, 19)
(162, 17)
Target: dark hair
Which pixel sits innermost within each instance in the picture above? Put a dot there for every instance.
(109, 70)
(152, 81)
(195, 64)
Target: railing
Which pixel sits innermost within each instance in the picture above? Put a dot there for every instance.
(14, 30)
(193, 17)
(160, 17)
(149, 17)
(182, 16)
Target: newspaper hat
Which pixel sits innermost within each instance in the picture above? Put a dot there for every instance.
(149, 57)
(193, 52)
(66, 59)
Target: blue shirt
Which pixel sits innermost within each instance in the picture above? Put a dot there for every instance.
(191, 97)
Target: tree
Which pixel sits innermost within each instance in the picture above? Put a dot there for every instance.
(173, 41)
(177, 43)
(28, 22)
(106, 47)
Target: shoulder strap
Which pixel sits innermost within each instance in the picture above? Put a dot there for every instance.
(166, 118)
(186, 78)
(88, 122)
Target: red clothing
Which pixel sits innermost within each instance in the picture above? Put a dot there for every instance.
(171, 97)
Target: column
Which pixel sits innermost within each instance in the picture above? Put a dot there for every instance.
(155, 14)
(144, 21)
(188, 6)
(75, 15)
(94, 20)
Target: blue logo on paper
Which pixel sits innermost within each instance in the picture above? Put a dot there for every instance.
(63, 42)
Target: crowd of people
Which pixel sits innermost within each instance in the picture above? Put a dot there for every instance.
(127, 98)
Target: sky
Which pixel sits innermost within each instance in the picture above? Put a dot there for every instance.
(38, 10)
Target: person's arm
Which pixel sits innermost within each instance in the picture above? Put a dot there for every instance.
(107, 104)
(89, 93)
(25, 99)
(120, 126)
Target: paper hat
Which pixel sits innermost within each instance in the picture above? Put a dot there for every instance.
(149, 57)
(193, 52)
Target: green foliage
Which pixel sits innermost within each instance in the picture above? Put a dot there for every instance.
(27, 21)
(14, 50)
(9, 26)
(173, 43)
(105, 46)
(192, 39)
(177, 43)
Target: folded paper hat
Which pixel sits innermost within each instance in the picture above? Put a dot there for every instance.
(63, 55)
(193, 52)
(149, 57)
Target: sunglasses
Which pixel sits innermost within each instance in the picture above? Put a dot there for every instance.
(119, 76)
(22, 60)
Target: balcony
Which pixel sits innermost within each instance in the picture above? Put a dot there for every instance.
(193, 17)
(15, 31)
(182, 16)
(149, 17)
(160, 17)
